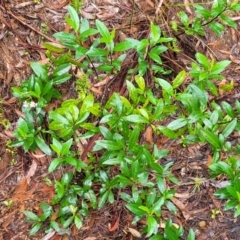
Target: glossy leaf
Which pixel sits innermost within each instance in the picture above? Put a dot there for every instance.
(110, 145)
(229, 128)
(203, 60)
(165, 85)
(152, 226)
(133, 139)
(103, 199)
(31, 216)
(220, 67)
(74, 18)
(42, 145)
(184, 18)
(135, 118)
(35, 229)
(191, 235)
(54, 164)
(123, 46)
(103, 31)
(141, 82)
(39, 69)
(179, 79)
(178, 123)
(211, 138)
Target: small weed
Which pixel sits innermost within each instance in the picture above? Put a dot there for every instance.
(215, 212)
(8, 203)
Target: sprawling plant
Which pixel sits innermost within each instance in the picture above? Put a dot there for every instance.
(117, 126)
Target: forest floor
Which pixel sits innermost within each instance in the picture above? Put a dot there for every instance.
(24, 26)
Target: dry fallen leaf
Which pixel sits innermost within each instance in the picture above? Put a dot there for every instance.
(148, 134)
(31, 171)
(181, 207)
(135, 233)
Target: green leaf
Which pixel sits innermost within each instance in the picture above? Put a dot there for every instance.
(56, 146)
(140, 82)
(66, 37)
(228, 21)
(133, 139)
(157, 205)
(152, 226)
(203, 60)
(218, 28)
(88, 33)
(145, 209)
(230, 205)
(155, 57)
(112, 161)
(158, 109)
(220, 67)
(171, 207)
(155, 33)
(178, 123)
(62, 69)
(237, 212)
(210, 137)
(134, 207)
(184, 18)
(202, 11)
(135, 119)
(229, 128)
(191, 235)
(42, 145)
(123, 46)
(103, 199)
(141, 46)
(31, 216)
(58, 118)
(67, 222)
(232, 191)
(39, 69)
(179, 79)
(96, 52)
(110, 145)
(199, 94)
(221, 168)
(61, 79)
(54, 164)
(167, 132)
(53, 47)
(165, 85)
(55, 226)
(78, 222)
(74, 18)
(228, 109)
(66, 146)
(222, 194)
(71, 161)
(22, 127)
(35, 229)
(132, 91)
(235, 6)
(103, 31)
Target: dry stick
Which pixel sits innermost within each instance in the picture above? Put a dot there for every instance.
(25, 24)
(158, 7)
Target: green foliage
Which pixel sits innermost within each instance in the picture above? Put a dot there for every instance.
(216, 18)
(205, 71)
(120, 123)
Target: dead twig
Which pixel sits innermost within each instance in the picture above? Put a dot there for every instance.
(27, 25)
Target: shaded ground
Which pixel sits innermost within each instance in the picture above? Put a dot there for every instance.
(23, 28)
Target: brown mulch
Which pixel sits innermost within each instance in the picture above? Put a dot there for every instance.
(24, 26)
